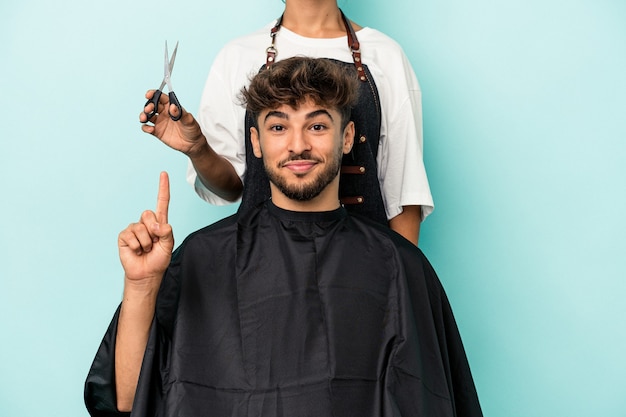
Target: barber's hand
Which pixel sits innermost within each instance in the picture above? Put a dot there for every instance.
(184, 135)
(146, 247)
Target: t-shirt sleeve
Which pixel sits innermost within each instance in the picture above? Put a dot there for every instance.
(402, 174)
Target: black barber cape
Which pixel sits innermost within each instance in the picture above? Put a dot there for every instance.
(290, 314)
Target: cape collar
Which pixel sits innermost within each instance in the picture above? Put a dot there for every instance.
(306, 216)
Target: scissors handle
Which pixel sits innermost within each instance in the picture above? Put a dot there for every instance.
(154, 100)
(174, 101)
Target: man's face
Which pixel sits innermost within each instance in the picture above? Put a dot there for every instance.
(302, 150)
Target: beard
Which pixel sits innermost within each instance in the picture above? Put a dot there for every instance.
(305, 191)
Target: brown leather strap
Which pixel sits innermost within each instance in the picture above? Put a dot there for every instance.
(355, 47)
(352, 200)
(271, 50)
(353, 44)
(352, 169)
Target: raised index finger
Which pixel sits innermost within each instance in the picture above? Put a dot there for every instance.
(163, 198)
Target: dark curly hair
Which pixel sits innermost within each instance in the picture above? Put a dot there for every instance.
(294, 80)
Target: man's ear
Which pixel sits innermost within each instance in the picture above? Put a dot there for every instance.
(256, 144)
(348, 137)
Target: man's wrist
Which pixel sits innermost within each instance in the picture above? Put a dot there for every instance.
(148, 286)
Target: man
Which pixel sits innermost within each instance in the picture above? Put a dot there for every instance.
(293, 308)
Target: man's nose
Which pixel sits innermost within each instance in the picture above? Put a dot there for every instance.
(298, 142)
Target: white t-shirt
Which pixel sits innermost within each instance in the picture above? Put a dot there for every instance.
(401, 171)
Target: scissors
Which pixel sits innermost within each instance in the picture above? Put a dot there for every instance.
(169, 64)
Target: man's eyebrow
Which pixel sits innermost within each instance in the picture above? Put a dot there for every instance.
(313, 114)
(276, 113)
(319, 113)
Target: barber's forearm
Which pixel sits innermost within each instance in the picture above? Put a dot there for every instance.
(216, 173)
(408, 223)
(133, 329)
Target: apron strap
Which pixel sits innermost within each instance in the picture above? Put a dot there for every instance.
(355, 47)
(271, 50)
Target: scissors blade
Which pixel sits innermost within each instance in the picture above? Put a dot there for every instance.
(169, 65)
(166, 64)
(173, 56)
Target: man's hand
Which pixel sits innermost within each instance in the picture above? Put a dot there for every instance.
(146, 247)
(184, 135)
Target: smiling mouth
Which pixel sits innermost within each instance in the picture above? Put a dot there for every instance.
(300, 166)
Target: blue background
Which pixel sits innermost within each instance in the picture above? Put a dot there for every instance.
(525, 141)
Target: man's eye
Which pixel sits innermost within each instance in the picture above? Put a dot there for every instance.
(318, 127)
(277, 128)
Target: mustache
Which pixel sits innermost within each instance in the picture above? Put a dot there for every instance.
(304, 156)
